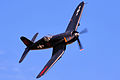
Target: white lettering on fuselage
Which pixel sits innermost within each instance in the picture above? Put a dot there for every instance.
(40, 46)
(78, 10)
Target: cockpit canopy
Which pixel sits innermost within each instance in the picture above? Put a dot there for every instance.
(47, 38)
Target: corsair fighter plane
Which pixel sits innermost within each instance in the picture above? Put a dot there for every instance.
(57, 42)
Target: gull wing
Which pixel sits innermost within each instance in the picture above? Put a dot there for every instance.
(58, 51)
(74, 22)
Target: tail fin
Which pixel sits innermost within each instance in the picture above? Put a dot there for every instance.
(26, 41)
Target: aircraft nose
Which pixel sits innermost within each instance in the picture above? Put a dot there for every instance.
(76, 34)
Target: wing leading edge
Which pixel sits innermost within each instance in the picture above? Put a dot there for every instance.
(74, 22)
(58, 51)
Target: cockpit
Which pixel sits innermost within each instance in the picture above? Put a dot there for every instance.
(47, 38)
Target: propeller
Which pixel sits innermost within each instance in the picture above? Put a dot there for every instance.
(79, 43)
(80, 46)
(84, 31)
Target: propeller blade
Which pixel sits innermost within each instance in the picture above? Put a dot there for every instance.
(34, 37)
(81, 48)
(84, 31)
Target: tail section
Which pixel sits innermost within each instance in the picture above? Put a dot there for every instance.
(24, 54)
(28, 43)
(34, 37)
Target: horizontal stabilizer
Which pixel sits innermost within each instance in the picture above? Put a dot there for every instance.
(34, 37)
(26, 41)
(24, 54)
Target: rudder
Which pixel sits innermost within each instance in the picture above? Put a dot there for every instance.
(26, 41)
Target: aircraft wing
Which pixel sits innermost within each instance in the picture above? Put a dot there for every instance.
(56, 55)
(74, 22)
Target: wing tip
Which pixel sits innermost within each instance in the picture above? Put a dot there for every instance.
(38, 76)
(20, 61)
(81, 49)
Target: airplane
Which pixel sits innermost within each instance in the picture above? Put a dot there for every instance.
(57, 42)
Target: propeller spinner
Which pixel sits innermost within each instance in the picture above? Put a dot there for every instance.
(78, 40)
